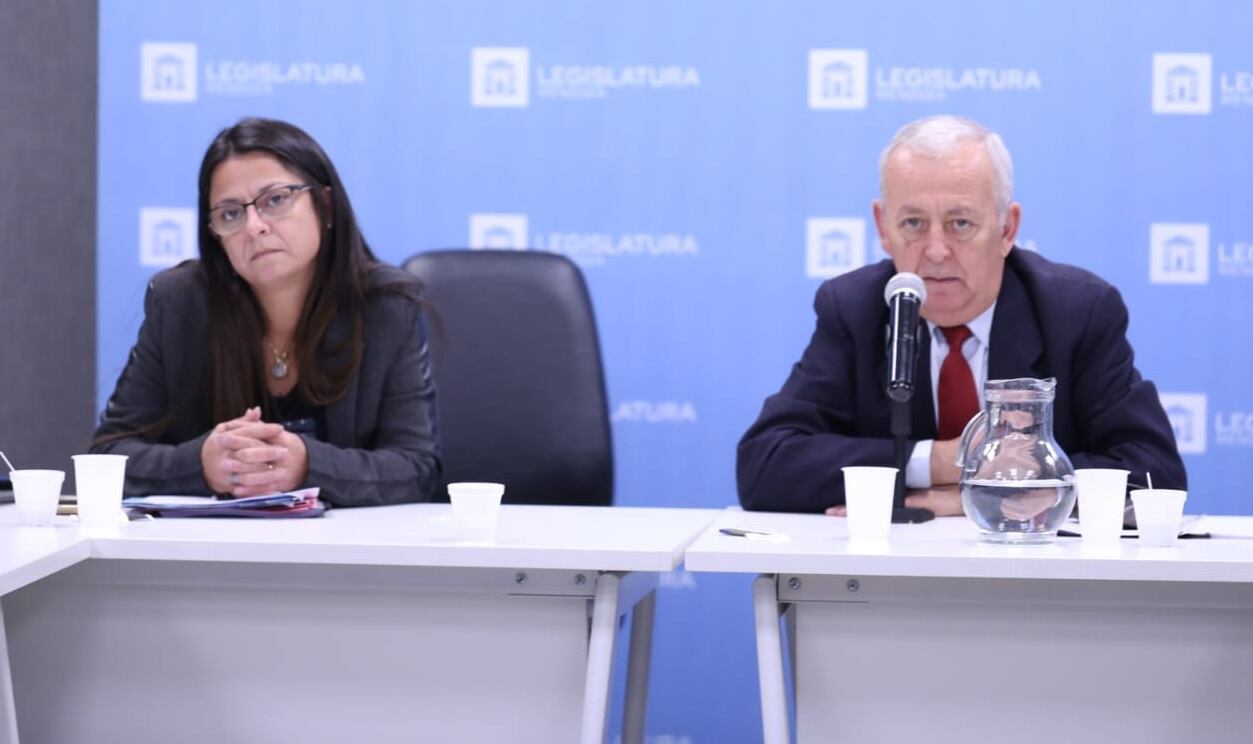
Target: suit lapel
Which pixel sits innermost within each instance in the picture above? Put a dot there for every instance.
(922, 415)
(1016, 346)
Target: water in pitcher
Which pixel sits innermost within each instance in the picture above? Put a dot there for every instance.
(1023, 511)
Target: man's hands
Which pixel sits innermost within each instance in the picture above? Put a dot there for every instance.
(248, 457)
(945, 501)
(944, 470)
(944, 495)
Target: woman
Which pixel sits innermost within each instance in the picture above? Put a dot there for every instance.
(287, 356)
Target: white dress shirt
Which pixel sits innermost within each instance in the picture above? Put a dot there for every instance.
(975, 349)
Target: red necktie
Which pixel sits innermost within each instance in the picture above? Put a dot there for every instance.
(958, 398)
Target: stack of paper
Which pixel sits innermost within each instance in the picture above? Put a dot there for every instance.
(286, 505)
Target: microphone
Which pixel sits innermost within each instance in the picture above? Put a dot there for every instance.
(904, 295)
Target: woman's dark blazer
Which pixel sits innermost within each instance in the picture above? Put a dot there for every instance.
(383, 434)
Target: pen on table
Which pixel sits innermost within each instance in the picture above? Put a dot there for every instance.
(737, 532)
(132, 515)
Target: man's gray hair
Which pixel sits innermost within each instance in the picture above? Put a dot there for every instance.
(941, 136)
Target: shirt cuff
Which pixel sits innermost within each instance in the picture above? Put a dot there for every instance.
(918, 469)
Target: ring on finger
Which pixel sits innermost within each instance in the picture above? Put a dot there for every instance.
(234, 479)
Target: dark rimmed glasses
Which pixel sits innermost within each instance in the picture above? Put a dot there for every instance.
(274, 202)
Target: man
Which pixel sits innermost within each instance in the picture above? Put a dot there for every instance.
(946, 213)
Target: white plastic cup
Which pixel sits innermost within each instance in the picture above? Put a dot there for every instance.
(1159, 512)
(1102, 500)
(475, 507)
(36, 493)
(868, 493)
(99, 480)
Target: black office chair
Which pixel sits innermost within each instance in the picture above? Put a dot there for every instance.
(521, 390)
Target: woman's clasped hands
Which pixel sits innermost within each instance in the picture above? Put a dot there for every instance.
(249, 457)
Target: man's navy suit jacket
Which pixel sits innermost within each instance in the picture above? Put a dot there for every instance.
(1051, 320)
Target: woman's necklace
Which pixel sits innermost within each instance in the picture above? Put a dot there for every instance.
(278, 370)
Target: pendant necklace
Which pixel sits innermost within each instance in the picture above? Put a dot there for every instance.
(278, 370)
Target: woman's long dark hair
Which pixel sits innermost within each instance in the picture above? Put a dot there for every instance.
(236, 323)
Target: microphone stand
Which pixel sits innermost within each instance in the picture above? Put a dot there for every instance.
(900, 398)
(902, 514)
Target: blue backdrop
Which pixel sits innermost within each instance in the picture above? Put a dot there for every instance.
(708, 164)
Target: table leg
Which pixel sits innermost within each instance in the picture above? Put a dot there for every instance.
(8, 712)
(638, 664)
(600, 646)
(770, 672)
(789, 626)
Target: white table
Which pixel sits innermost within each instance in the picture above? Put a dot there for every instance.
(26, 556)
(368, 625)
(936, 637)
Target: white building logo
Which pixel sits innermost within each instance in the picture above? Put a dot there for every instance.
(833, 246)
(167, 235)
(501, 231)
(838, 78)
(1182, 83)
(1186, 412)
(1178, 253)
(167, 72)
(500, 76)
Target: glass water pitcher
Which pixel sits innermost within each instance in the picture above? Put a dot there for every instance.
(1016, 482)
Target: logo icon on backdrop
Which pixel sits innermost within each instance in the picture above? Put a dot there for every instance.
(500, 76)
(167, 235)
(833, 246)
(1186, 412)
(167, 72)
(1178, 253)
(1182, 83)
(503, 231)
(838, 78)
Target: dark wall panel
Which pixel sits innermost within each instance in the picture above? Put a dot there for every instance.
(48, 92)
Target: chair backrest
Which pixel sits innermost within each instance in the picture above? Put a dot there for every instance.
(520, 387)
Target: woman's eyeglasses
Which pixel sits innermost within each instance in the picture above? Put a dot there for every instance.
(275, 201)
